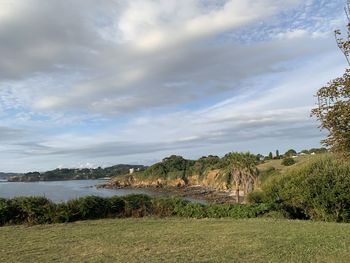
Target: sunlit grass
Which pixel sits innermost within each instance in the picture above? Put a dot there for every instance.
(177, 240)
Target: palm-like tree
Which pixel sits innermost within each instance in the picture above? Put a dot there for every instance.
(244, 172)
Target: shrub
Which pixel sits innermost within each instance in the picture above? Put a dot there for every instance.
(62, 214)
(318, 190)
(4, 212)
(217, 211)
(288, 161)
(90, 207)
(31, 210)
(39, 210)
(137, 205)
(256, 197)
(165, 207)
(236, 210)
(192, 210)
(116, 206)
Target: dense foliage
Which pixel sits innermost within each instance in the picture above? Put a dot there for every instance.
(315, 151)
(175, 166)
(333, 109)
(334, 113)
(39, 210)
(178, 167)
(318, 190)
(290, 153)
(234, 170)
(288, 161)
(76, 174)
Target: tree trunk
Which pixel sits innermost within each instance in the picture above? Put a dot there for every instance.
(237, 193)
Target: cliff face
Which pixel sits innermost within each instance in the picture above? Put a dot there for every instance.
(213, 179)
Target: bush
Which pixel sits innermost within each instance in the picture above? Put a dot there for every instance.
(30, 210)
(90, 207)
(137, 205)
(165, 207)
(318, 190)
(39, 210)
(288, 161)
(192, 210)
(62, 214)
(116, 206)
(4, 212)
(256, 197)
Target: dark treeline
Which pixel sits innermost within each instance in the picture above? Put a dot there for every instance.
(76, 174)
(40, 210)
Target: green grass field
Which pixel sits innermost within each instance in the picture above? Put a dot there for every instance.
(177, 240)
(279, 169)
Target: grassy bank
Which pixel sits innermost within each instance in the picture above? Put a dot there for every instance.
(177, 240)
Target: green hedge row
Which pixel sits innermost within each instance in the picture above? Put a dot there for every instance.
(40, 210)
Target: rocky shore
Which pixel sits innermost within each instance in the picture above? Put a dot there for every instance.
(195, 191)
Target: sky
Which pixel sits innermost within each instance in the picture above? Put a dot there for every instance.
(87, 83)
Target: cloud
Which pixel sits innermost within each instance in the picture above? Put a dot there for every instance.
(10, 134)
(182, 76)
(34, 38)
(147, 24)
(87, 81)
(119, 76)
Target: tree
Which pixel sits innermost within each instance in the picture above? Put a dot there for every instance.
(277, 154)
(244, 172)
(290, 153)
(270, 156)
(333, 112)
(333, 109)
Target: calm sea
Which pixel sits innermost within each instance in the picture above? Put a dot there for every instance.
(59, 191)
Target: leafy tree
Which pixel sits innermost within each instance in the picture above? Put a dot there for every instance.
(333, 109)
(334, 113)
(259, 157)
(270, 155)
(244, 172)
(277, 154)
(290, 152)
(318, 150)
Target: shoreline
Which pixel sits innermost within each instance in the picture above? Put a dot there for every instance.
(195, 191)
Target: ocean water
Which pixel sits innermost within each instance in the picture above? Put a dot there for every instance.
(60, 191)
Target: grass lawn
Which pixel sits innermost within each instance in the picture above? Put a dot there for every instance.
(265, 168)
(177, 240)
(277, 164)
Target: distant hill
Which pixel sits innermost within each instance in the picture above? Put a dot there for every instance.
(75, 173)
(8, 175)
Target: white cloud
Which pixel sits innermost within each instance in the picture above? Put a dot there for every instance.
(154, 25)
(92, 82)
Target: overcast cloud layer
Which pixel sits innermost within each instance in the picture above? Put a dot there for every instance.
(89, 82)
